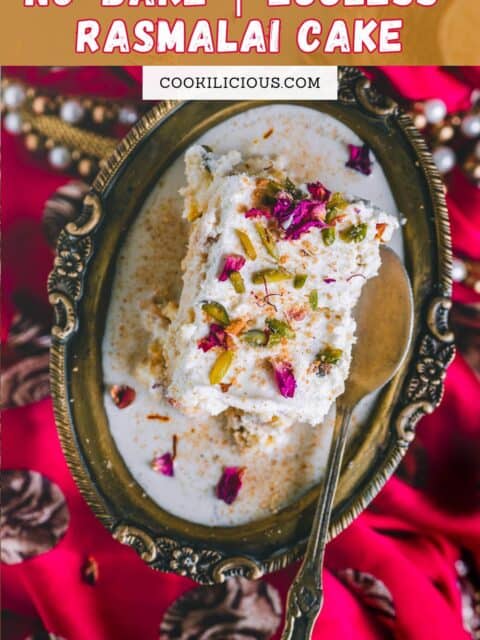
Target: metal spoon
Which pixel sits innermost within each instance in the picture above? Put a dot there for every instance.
(384, 316)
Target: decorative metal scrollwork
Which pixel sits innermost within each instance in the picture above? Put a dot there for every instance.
(65, 282)
(138, 540)
(424, 387)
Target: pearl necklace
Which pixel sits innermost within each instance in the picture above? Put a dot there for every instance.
(453, 138)
(72, 131)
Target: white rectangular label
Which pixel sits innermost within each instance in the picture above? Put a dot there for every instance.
(240, 83)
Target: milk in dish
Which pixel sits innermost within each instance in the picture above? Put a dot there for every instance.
(280, 459)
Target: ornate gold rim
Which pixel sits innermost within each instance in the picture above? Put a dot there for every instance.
(422, 390)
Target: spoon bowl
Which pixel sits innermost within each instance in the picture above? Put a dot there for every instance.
(384, 317)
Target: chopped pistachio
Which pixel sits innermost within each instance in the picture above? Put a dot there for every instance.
(299, 280)
(313, 299)
(246, 243)
(293, 190)
(355, 233)
(327, 359)
(236, 279)
(328, 236)
(335, 206)
(221, 366)
(280, 328)
(255, 337)
(270, 191)
(270, 275)
(273, 339)
(267, 240)
(216, 311)
(330, 355)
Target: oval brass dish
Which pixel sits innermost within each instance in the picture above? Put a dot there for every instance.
(80, 285)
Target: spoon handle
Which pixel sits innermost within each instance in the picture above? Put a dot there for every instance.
(305, 596)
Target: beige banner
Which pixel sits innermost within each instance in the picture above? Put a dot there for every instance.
(446, 33)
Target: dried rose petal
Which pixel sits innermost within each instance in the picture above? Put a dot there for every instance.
(329, 280)
(90, 571)
(360, 159)
(284, 378)
(308, 210)
(122, 395)
(296, 232)
(318, 191)
(282, 209)
(305, 215)
(232, 262)
(163, 464)
(216, 338)
(229, 484)
(257, 213)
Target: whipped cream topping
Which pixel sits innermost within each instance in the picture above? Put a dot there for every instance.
(315, 319)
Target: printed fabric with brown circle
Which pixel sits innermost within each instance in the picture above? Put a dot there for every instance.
(34, 515)
(238, 609)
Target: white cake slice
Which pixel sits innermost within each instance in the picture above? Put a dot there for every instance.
(272, 274)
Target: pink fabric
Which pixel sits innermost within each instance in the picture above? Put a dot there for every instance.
(410, 537)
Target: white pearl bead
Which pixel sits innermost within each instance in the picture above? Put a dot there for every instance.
(60, 158)
(13, 123)
(477, 150)
(127, 115)
(444, 158)
(471, 126)
(14, 96)
(459, 270)
(72, 111)
(435, 111)
(475, 96)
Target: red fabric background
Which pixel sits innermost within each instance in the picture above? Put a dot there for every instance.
(410, 538)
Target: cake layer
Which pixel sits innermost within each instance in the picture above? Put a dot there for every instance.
(272, 274)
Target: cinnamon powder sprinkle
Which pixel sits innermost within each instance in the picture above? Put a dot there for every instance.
(267, 134)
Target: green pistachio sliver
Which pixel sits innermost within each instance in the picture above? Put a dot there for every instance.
(330, 355)
(255, 337)
(246, 243)
(328, 236)
(267, 240)
(335, 206)
(220, 367)
(236, 279)
(293, 190)
(313, 299)
(216, 311)
(280, 328)
(355, 233)
(273, 339)
(270, 192)
(299, 280)
(270, 275)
